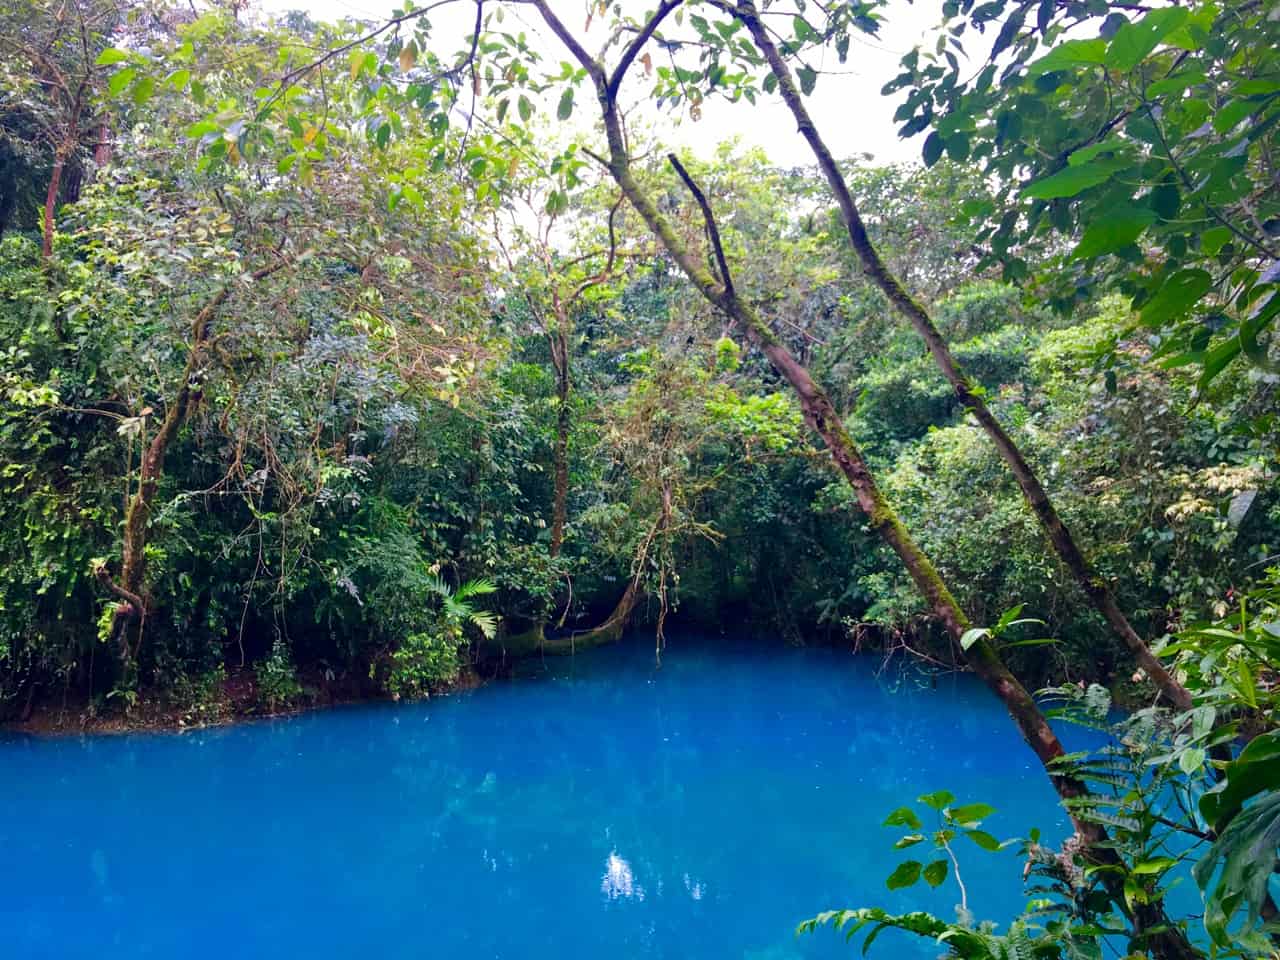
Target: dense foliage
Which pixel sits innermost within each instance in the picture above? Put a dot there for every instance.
(329, 370)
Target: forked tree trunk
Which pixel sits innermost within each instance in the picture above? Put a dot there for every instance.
(1095, 588)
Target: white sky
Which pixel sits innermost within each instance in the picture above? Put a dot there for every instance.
(846, 106)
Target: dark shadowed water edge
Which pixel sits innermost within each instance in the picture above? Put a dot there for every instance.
(596, 806)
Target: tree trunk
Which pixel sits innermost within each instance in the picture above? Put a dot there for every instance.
(560, 502)
(50, 202)
(130, 587)
(1094, 587)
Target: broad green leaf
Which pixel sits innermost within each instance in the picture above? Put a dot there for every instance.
(1166, 200)
(907, 874)
(1073, 53)
(1134, 41)
(142, 90)
(903, 817)
(972, 636)
(983, 839)
(1115, 230)
(565, 108)
(1109, 145)
(1214, 239)
(808, 80)
(971, 812)
(932, 151)
(938, 799)
(119, 80)
(109, 56)
(1176, 83)
(1179, 293)
(202, 128)
(1191, 760)
(1071, 180)
(935, 873)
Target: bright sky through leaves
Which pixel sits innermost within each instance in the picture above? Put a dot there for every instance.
(846, 103)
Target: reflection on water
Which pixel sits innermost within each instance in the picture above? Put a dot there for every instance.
(601, 806)
(619, 881)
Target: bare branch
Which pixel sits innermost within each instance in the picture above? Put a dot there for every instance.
(633, 48)
(712, 230)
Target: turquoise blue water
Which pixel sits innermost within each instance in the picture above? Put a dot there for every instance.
(599, 808)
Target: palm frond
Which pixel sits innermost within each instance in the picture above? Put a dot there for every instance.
(475, 588)
(486, 622)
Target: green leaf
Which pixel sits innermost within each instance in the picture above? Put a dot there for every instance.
(109, 56)
(1177, 83)
(1176, 296)
(1115, 230)
(933, 146)
(1007, 618)
(1191, 760)
(983, 839)
(1085, 154)
(910, 840)
(201, 128)
(557, 202)
(1166, 201)
(525, 108)
(1154, 866)
(565, 108)
(971, 812)
(808, 79)
(938, 799)
(1214, 239)
(935, 873)
(475, 588)
(142, 90)
(1072, 180)
(903, 817)
(1134, 41)
(1227, 116)
(1073, 53)
(972, 636)
(1245, 779)
(119, 80)
(907, 874)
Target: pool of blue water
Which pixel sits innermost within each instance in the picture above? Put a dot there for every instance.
(597, 807)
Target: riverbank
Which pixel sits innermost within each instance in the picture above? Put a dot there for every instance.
(236, 699)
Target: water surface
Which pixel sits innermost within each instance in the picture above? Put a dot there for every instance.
(599, 808)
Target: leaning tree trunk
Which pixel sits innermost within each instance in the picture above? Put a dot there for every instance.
(1064, 544)
(1165, 941)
